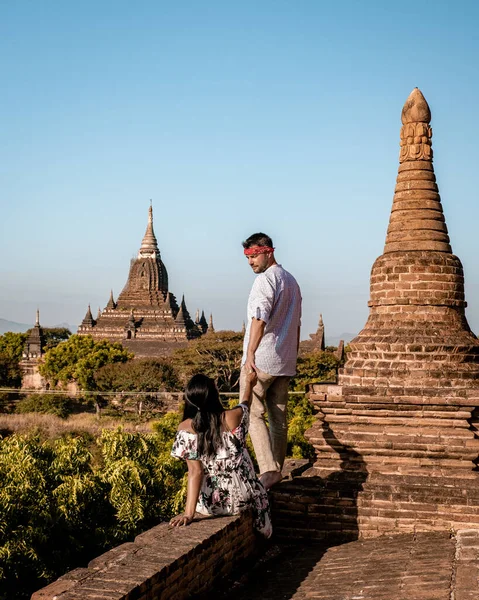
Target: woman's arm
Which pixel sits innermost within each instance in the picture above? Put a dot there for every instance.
(247, 391)
(233, 416)
(195, 477)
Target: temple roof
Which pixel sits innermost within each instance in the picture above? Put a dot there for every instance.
(149, 244)
(88, 318)
(417, 222)
(111, 302)
(147, 283)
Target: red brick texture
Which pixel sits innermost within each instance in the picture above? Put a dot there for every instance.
(422, 566)
(396, 440)
(162, 564)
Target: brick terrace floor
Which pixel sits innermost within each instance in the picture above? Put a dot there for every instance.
(424, 566)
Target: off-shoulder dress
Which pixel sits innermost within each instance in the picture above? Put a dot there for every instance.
(229, 482)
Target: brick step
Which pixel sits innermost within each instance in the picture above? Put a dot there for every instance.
(343, 429)
(397, 410)
(422, 441)
(398, 420)
(464, 458)
(399, 458)
(387, 396)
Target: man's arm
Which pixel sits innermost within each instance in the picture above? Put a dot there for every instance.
(255, 336)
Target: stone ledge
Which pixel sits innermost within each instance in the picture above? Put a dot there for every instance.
(162, 563)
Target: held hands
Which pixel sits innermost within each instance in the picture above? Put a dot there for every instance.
(181, 520)
(251, 377)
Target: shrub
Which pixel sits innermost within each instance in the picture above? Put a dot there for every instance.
(59, 506)
(50, 404)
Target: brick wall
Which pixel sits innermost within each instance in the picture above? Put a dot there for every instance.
(163, 563)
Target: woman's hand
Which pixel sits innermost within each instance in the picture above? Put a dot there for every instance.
(181, 520)
(251, 377)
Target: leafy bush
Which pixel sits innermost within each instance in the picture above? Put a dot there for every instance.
(300, 418)
(315, 367)
(217, 355)
(51, 404)
(59, 507)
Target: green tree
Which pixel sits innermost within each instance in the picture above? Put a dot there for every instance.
(51, 404)
(10, 372)
(217, 355)
(59, 508)
(315, 367)
(78, 358)
(146, 375)
(52, 336)
(11, 351)
(12, 345)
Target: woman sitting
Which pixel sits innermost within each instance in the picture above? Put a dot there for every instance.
(212, 440)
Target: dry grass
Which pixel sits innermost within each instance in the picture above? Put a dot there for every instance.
(52, 427)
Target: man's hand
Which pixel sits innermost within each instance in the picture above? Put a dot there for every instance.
(255, 336)
(181, 520)
(249, 365)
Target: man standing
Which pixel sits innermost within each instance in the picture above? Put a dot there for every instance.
(270, 348)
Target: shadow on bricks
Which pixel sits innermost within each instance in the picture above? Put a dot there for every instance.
(319, 505)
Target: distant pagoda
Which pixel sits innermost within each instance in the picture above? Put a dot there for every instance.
(32, 353)
(146, 318)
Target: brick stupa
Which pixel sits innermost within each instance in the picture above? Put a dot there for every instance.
(395, 440)
(146, 317)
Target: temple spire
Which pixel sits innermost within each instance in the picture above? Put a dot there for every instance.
(149, 245)
(37, 321)
(211, 328)
(111, 302)
(203, 323)
(88, 319)
(417, 221)
(180, 317)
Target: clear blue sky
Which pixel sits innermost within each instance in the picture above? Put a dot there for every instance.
(234, 117)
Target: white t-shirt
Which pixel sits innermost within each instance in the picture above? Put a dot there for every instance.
(275, 298)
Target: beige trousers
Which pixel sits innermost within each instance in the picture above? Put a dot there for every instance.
(270, 395)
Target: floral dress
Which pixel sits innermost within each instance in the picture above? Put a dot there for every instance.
(229, 482)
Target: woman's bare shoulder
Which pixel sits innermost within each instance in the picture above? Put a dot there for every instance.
(186, 426)
(233, 416)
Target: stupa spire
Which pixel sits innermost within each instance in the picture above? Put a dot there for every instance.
(111, 302)
(88, 319)
(180, 317)
(37, 320)
(417, 221)
(149, 245)
(202, 323)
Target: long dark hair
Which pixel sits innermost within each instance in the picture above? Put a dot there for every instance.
(204, 408)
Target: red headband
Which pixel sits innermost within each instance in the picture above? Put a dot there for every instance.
(258, 250)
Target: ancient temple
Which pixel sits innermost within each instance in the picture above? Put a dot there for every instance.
(396, 439)
(316, 341)
(146, 317)
(32, 352)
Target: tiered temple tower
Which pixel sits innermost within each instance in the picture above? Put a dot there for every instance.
(146, 317)
(32, 352)
(396, 440)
